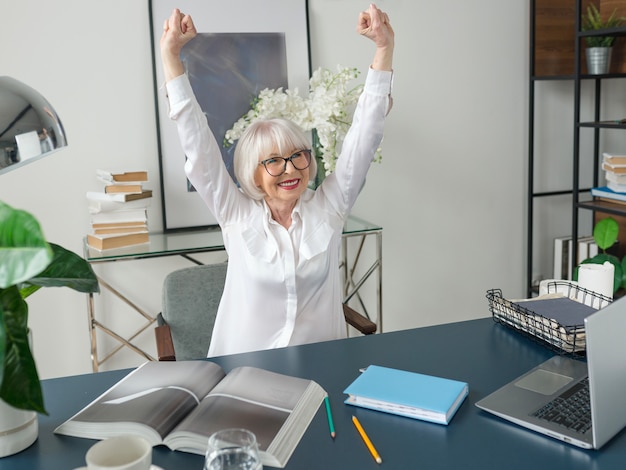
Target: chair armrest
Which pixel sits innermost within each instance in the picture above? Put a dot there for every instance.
(164, 344)
(358, 321)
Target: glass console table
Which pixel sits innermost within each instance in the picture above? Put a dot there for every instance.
(186, 243)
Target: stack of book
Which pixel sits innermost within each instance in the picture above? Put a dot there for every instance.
(119, 215)
(614, 167)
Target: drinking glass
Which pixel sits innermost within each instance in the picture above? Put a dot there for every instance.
(232, 449)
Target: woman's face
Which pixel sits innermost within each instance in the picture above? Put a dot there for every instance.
(288, 186)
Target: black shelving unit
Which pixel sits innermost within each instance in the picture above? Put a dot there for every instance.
(596, 126)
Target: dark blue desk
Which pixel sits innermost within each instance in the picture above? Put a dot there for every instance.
(484, 354)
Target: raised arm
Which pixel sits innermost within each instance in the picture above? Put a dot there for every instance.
(178, 30)
(374, 24)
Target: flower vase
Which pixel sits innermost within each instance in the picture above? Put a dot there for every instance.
(321, 172)
(18, 428)
(317, 154)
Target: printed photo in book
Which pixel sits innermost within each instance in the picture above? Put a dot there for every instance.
(181, 403)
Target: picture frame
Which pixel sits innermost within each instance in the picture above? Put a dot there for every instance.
(276, 28)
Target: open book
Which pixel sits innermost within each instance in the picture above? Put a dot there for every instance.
(181, 403)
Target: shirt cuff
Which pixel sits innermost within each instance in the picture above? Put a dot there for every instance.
(379, 82)
(178, 89)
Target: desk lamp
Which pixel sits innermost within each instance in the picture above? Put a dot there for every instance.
(30, 128)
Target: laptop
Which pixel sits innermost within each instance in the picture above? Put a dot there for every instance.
(538, 399)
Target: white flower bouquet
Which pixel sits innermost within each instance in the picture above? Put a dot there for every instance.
(327, 111)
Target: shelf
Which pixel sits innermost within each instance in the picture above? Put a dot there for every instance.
(603, 125)
(604, 206)
(563, 192)
(620, 31)
(609, 76)
(551, 77)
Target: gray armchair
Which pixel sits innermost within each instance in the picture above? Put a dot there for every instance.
(190, 300)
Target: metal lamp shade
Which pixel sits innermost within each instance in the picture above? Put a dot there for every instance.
(29, 126)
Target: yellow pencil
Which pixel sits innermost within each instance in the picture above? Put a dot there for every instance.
(366, 439)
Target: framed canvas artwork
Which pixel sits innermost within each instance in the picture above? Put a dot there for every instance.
(242, 47)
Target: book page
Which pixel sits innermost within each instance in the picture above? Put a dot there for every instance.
(255, 399)
(157, 395)
(219, 412)
(263, 387)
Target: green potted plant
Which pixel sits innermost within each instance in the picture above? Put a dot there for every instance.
(599, 48)
(605, 234)
(27, 263)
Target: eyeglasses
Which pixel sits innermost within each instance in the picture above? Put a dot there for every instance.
(276, 166)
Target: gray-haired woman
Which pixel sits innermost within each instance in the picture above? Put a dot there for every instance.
(282, 238)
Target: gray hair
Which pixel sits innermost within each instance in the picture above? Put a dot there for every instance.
(260, 139)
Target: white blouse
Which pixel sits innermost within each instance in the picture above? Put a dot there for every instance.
(282, 286)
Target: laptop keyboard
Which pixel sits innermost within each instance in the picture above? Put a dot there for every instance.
(571, 409)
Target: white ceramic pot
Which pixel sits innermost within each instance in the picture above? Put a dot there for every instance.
(18, 429)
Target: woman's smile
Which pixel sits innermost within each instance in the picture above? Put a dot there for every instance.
(289, 184)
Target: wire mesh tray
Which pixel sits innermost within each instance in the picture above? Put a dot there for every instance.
(568, 340)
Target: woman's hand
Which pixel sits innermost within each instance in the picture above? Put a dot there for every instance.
(374, 24)
(178, 30)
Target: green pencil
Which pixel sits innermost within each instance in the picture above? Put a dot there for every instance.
(330, 417)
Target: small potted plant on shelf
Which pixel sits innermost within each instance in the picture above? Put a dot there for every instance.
(599, 48)
(27, 263)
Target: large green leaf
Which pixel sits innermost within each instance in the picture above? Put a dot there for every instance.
(3, 337)
(27, 263)
(605, 233)
(24, 252)
(67, 269)
(20, 382)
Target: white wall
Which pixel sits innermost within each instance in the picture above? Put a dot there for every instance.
(449, 193)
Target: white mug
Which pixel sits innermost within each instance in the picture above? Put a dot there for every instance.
(119, 453)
